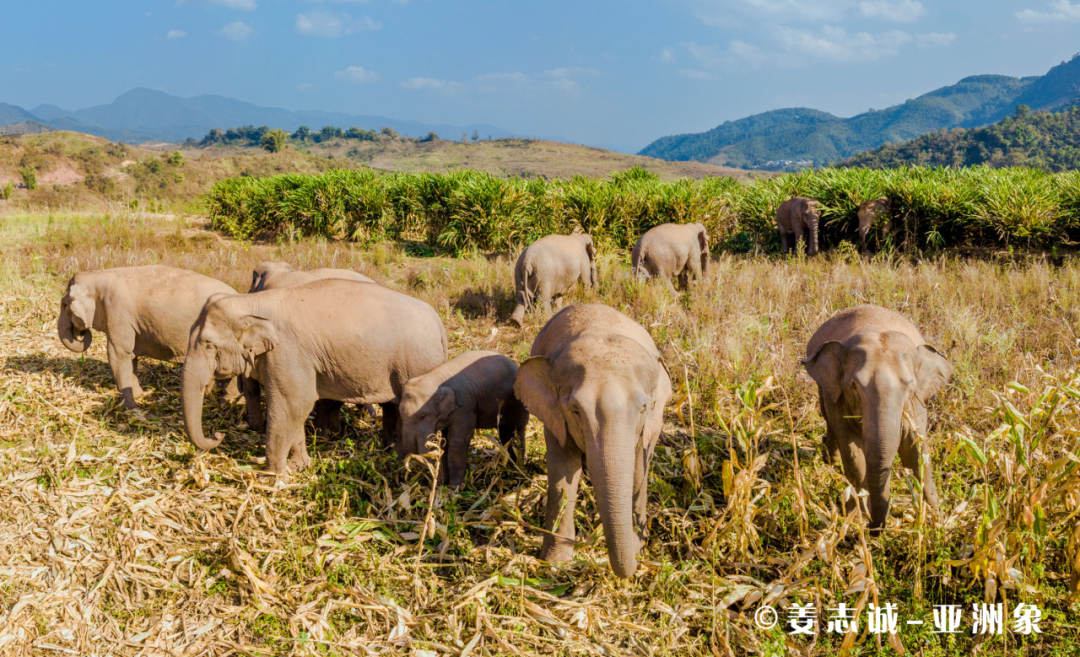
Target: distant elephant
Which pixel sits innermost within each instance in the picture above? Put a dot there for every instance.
(596, 381)
(330, 339)
(143, 311)
(869, 211)
(274, 275)
(875, 374)
(672, 250)
(549, 268)
(795, 218)
(472, 391)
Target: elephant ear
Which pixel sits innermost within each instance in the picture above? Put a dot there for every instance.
(82, 304)
(446, 400)
(932, 372)
(824, 368)
(703, 242)
(589, 248)
(534, 387)
(256, 281)
(654, 423)
(257, 337)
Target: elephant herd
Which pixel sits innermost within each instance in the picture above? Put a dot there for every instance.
(317, 339)
(799, 218)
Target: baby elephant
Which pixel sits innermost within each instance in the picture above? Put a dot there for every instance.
(143, 311)
(875, 374)
(274, 275)
(869, 211)
(473, 391)
(795, 218)
(549, 268)
(596, 381)
(672, 250)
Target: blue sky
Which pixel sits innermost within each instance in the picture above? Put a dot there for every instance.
(606, 73)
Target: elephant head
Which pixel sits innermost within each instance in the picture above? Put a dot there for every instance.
(78, 309)
(591, 250)
(423, 411)
(224, 343)
(870, 380)
(600, 393)
(264, 271)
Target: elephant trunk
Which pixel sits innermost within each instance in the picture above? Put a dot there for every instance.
(611, 469)
(881, 438)
(193, 382)
(77, 343)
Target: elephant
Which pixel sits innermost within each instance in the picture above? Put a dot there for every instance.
(143, 311)
(549, 268)
(329, 339)
(472, 391)
(596, 381)
(875, 374)
(869, 211)
(672, 250)
(795, 218)
(273, 275)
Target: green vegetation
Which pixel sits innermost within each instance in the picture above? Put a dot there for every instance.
(467, 210)
(29, 177)
(7, 191)
(274, 141)
(251, 136)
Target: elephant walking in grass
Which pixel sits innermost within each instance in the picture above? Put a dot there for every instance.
(668, 250)
(549, 268)
(596, 381)
(143, 312)
(330, 339)
(795, 218)
(875, 374)
(274, 275)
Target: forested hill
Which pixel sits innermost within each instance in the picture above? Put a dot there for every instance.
(790, 138)
(1042, 140)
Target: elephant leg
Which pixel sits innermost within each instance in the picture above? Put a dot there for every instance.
(684, 279)
(458, 440)
(911, 456)
(544, 295)
(327, 417)
(286, 413)
(694, 265)
(122, 364)
(812, 239)
(785, 241)
(513, 418)
(253, 401)
(564, 475)
(797, 236)
(391, 427)
(230, 392)
(641, 490)
(518, 316)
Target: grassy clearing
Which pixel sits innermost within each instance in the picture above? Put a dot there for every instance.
(117, 536)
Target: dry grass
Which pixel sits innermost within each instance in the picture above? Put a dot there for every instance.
(117, 537)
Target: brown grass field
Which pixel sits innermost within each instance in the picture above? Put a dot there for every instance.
(117, 537)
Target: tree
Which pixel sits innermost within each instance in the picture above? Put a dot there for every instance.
(274, 140)
(389, 132)
(431, 136)
(476, 135)
(1022, 112)
(29, 176)
(303, 133)
(464, 137)
(176, 159)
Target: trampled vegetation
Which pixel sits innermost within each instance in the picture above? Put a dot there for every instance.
(471, 211)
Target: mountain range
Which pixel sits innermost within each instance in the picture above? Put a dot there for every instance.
(789, 138)
(142, 115)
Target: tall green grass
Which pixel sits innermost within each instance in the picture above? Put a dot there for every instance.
(465, 211)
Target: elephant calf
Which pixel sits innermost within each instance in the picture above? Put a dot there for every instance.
(330, 339)
(795, 218)
(875, 374)
(549, 268)
(672, 250)
(869, 211)
(274, 275)
(143, 311)
(470, 392)
(596, 381)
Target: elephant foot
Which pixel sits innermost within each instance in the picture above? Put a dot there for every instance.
(518, 316)
(558, 553)
(256, 421)
(298, 458)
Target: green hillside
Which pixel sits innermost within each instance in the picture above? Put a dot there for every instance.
(775, 141)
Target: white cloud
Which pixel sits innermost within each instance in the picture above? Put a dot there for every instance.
(904, 11)
(727, 12)
(835, 44)
(236, 31)
(357, 74)
(667, 56)
(245, 5)
(331, 26)
(1060, 10)
(935, 39)
(176, 34)
(305, 86)
(431, 84)
(695, 74)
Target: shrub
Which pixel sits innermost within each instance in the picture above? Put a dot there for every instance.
(29, 177)
(176, 159)
(274, 140)
(7, 191)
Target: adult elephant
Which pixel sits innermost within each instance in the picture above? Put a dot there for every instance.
(795, 218)
(143, 312)
(668, 250)
(329, 339)
(596, 381)
(549, 268)
(875, 374)
(274, 275)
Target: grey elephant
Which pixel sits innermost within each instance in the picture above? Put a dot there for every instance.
(143, 312)
(274, 275)
(875, 374)
(795, 218)
(668, 250)
(472, 391)
(549, 268)
(869, 212)
(596, 381)
(329, 339)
